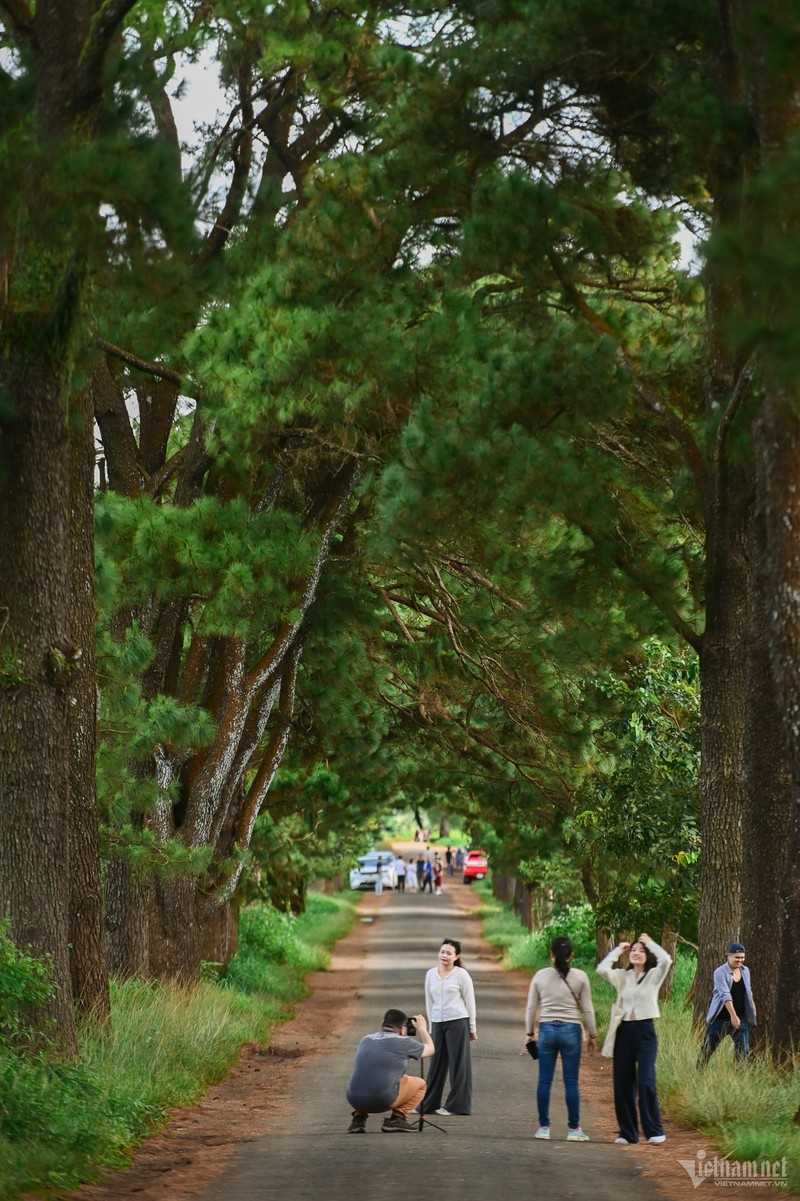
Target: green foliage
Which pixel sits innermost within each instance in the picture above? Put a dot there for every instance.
(635, 817)
(269, 937)
(61, 1124)
(25, 985)
(576, 922)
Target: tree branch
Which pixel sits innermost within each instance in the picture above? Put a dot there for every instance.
(652, 401)
(20, 14)
(104, 27)
(133, 360)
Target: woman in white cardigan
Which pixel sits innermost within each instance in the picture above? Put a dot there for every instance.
(636, 1045)
(450, 1004)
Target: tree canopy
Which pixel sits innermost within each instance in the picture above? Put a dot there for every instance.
(395, 428)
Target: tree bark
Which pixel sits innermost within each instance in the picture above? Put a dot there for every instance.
(129, 900)
(728, 509)
(769, 237)
(45, 225)
(522, 904)
(87, 960)
(36, 659)
(774, 938)
(503, 888)
(768, 794)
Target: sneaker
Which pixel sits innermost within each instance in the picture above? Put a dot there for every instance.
(657, 1138)
(577, 1136)
(400, 1123)
(622, 1141)
(358, 1124)
(445, 1113)
(542, 1132)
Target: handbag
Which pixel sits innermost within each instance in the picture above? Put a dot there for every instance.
(532, 1049)
(617, 1014)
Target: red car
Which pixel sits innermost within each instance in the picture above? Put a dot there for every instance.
(475, 866)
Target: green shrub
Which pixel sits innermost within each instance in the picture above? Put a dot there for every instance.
(60, 1124)
(24, 984)
(576, 922)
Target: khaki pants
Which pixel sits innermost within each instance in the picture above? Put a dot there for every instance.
(409, 1095)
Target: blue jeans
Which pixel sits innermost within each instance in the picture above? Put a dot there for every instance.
(567, 1038)
(716, 1031)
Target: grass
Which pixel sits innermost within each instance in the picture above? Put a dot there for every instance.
(60, 1125)
(745, 1113)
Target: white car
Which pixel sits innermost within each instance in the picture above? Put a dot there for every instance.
(366, 872)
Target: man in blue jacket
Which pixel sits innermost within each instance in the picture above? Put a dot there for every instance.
(732, 1009)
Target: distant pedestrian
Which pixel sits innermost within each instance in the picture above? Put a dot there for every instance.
(400, 868)
(732, 1010)
(459, 859)
(448, 858)
(411, 877)
(427, 876)
(379, 878)
(437, 877)
(420, 870)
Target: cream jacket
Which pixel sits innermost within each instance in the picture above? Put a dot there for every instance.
(451, 996)
(638, 1000)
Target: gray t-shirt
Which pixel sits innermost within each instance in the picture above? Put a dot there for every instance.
(381, 1059)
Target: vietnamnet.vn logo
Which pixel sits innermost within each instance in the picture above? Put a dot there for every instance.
(725, 1172)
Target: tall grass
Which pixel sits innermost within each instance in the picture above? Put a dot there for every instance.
(744, 1112)
(61, 1124)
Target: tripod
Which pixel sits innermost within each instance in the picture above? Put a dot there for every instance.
(424, 1120)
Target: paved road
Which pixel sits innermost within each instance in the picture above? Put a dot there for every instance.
(490, 1155)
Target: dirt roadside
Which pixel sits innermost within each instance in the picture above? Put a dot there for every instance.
(182, 1161)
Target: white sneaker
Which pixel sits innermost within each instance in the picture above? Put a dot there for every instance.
(542, 1132)
(577, 1136)
(445, 1113)
(622, 1141)
(658, 1138)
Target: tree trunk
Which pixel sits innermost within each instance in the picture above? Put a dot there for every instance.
(776, 960)
(522, 904)
(87, 960)
(36, 661)
(46, 223)
(127, 925)
(175, 933)
(768, 240)
(669, 941)
(768, 796)
(220, 935)
(728, 508)
(503, 888)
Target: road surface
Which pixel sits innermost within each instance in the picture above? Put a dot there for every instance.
(306, 1153)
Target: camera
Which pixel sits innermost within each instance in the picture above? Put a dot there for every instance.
(411, 1027)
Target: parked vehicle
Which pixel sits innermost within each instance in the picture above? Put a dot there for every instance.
(476, 866)
(365, 873)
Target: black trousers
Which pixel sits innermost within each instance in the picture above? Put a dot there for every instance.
(635, 1050)
(452, 1043)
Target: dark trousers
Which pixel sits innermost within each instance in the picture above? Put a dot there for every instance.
(452, 1043)
(401, 883)
(720, 1028)
(635, 1050)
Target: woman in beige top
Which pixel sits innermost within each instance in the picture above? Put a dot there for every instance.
(559, 1003)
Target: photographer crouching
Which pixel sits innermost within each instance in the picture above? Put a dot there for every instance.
(379, 1080)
